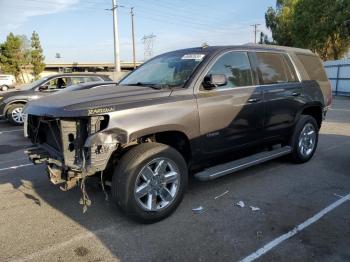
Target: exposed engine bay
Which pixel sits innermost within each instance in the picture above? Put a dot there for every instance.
(72, 148)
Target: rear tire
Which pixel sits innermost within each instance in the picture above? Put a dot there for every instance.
(14, 114)
(149, 182)
(304, 139)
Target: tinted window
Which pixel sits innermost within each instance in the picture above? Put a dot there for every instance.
(290, 70)
(313, 67)
(236, 67)
(272, 68)
(93, 79)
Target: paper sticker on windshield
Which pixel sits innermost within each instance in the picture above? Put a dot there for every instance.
(197, 57)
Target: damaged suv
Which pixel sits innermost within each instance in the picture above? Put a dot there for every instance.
(207, 111)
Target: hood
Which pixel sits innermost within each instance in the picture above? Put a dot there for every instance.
(14, 93)
(93, 101)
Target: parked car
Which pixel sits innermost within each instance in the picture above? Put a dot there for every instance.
(89, 85)
(7, 82)
(12, 103)
(203, 111)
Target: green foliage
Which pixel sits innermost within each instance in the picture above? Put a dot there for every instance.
(12, 57)
(37, 57)
(322, 26)
(17, 52)
(280, 21)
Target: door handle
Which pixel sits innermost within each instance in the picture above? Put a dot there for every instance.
(253, 100)
(296, 94)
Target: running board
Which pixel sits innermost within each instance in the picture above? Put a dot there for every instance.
(242, 163)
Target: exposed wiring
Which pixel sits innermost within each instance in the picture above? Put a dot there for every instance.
(103, 187)
(85, 200)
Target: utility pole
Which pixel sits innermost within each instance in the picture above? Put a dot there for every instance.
(116, 36)
(255, 31)
(133, 37)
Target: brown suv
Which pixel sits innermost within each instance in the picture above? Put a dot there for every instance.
(204, 111)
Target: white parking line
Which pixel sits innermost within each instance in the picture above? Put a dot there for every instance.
(15, 167)
(340, 109)
(295, 230)
(10, 131)
(13, 160)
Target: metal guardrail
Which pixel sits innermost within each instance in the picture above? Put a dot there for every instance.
(339, 75)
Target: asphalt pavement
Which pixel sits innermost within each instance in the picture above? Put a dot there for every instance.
(38, 222)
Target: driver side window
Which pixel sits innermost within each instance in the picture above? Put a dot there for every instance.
(55, 83)
(236, 67)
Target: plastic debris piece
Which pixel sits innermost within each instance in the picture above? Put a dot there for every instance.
(240, 203)
(254, 208)
(335, 194)
(198, 210)
(221, 195)
(259, 234)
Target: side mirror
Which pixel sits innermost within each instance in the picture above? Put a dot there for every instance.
(43, 87)
(213, 81)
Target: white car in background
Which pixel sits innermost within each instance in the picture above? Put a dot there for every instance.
(6, 82)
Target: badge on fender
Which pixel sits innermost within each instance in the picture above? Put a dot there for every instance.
(102, 110)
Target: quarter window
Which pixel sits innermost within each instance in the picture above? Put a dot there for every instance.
(236, 67)
(313, 67)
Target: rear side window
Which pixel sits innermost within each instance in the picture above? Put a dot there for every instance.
(236, 67)
(275, 68)
(313, 67)
(77, 80)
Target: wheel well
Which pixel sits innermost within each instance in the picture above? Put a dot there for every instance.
(177, 140)
(14, 102)
(315, 112)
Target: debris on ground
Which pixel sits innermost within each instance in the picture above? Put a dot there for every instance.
(254, 208)
(198, 210)
(259, 234)
(335, 194)
(240, 203)
(221, 195)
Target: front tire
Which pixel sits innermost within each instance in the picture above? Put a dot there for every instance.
(4, 88)
(304, 139)
(149, 182)
(15, 114)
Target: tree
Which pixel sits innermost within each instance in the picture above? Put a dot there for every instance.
(11, 55)
(317, 25)
(280, 21)
(37, 57)
(322, 27)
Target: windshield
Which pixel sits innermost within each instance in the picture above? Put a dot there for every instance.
(34, 84)
(172, 69)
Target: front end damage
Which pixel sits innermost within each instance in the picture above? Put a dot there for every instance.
(72, 148)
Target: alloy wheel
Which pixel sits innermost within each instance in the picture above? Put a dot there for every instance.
(307, 140)
(157, 184)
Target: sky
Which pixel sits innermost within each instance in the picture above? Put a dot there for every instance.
(82, 30)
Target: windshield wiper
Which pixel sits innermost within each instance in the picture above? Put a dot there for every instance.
(154, 86)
